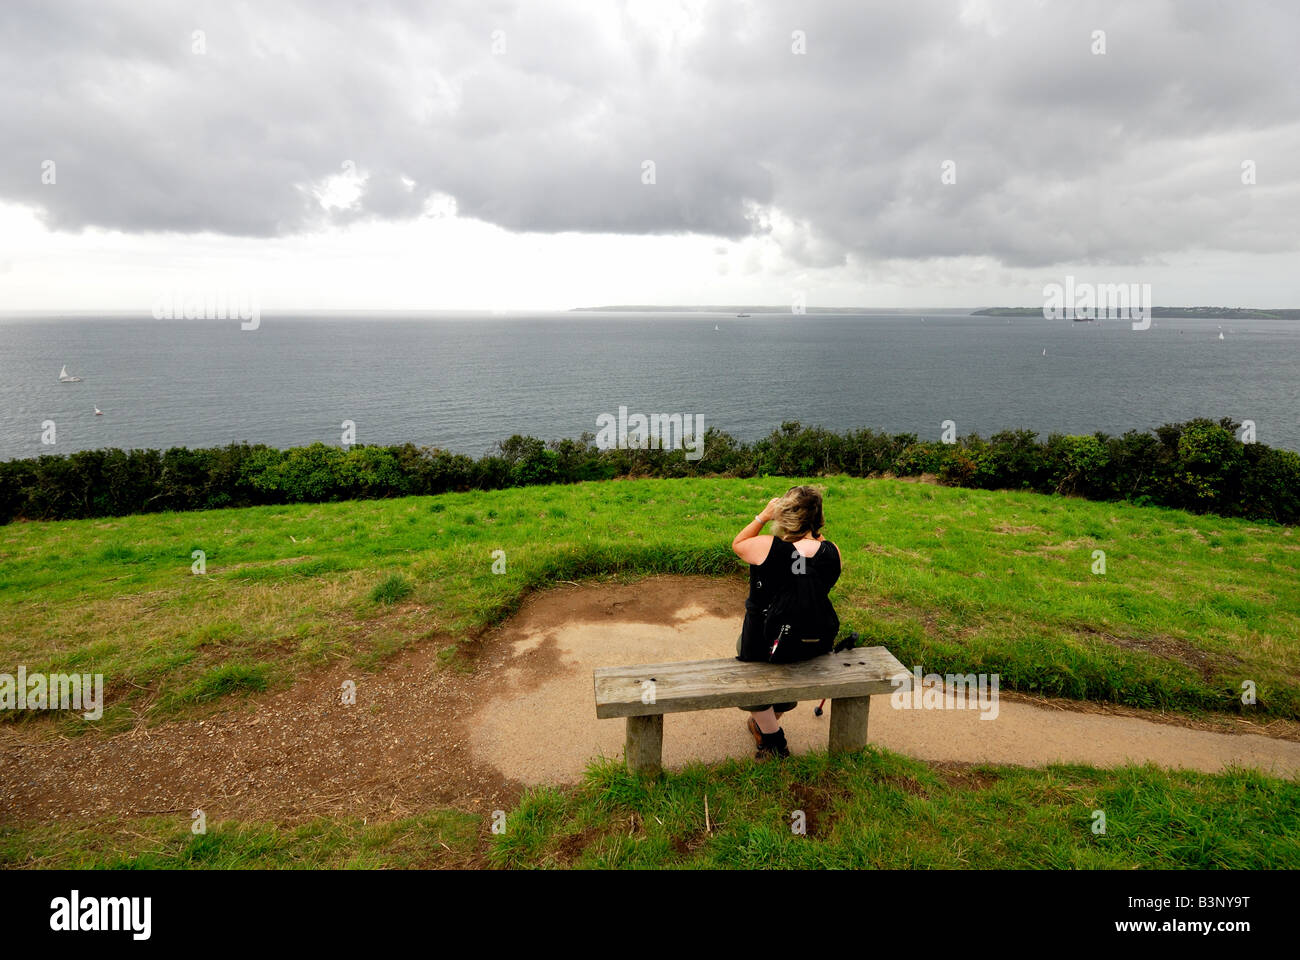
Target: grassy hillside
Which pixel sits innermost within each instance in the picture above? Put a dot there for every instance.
(955, 580)
(952, 579)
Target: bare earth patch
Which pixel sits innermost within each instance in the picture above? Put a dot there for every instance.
(1168, 648)
(1012, 528)
(522, 711)
(931, 478)
(560, 637)
(288, 756)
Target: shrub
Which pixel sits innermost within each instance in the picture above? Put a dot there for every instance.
(1075, 464)
(1210, 459)
(1198, 465)
(917, 458)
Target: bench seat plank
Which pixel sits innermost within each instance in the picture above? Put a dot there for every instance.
(728, 682)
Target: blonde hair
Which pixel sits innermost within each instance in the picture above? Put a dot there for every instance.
(798, 514)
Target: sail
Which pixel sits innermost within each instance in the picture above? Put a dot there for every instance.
(63, 374)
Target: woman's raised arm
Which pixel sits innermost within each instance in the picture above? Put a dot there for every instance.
(750, 545)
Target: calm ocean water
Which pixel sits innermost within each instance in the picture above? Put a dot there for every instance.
(465, 382)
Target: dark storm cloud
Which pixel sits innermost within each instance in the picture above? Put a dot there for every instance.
(1060, 154)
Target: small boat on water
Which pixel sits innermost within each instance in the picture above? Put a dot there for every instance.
(65, 377)
(742, 314)
(715, 328)
(99, 412)
(1220, 334)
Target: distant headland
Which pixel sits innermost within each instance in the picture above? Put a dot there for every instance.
(1210, 313)
(1213, 313)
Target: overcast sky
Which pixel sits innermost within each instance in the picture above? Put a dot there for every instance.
(479, 154)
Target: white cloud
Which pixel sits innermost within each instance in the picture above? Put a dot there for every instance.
(820, 169)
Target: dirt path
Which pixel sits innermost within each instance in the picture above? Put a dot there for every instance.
(546, 660)
(287, 757)
(420, 735)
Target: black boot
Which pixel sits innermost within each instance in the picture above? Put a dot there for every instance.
(773, 745)
(756, 733)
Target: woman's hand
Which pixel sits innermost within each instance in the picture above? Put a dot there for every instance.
(752, 545)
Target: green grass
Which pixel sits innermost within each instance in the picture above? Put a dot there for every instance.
(881, 810)
(392, 590)
(224, 679)
(440, 838)
(874, 809)
(950, 579)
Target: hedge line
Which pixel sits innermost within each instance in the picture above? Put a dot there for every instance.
(1199, 465)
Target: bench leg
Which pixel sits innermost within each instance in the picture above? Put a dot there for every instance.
(849, 724)
(645, 743)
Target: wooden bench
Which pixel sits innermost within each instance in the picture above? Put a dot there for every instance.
(643, 694)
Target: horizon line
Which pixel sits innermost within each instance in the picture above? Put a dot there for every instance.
(608, 308)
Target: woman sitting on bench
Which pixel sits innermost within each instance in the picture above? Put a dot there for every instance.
(797, 549)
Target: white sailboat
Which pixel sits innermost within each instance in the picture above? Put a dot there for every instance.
(715, 328)
(1220, 334)
(99, 412)
(65, 377)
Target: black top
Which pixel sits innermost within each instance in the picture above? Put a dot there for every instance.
(778, 567)
(767, 578)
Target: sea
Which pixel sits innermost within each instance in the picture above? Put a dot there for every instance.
(463, 382)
